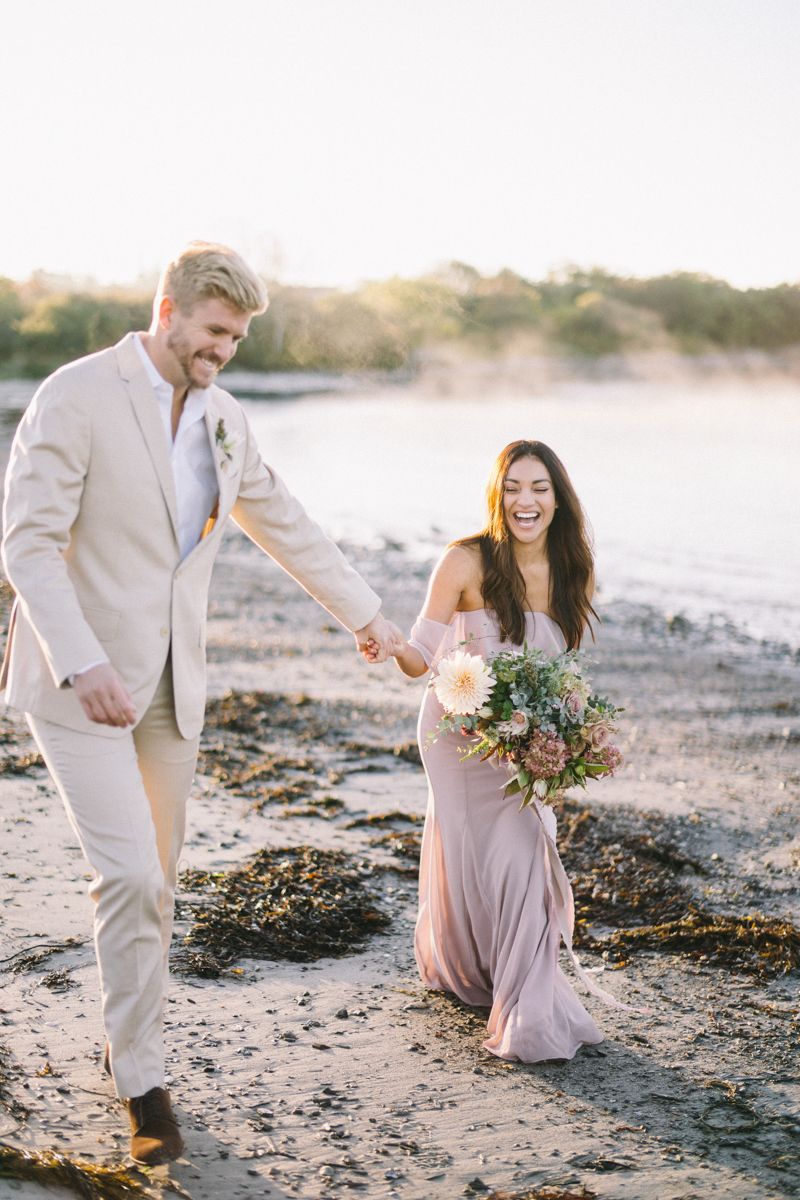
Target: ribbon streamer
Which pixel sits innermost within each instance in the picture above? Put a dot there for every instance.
(565, 915)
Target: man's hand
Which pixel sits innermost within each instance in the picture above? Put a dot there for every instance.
(104, 697)
(376, 641)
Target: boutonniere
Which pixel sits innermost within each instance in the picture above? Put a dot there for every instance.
(227, 443)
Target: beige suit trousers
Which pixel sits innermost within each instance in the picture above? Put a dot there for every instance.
(126, 800)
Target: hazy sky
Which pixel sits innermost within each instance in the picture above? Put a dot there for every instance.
(334, 140)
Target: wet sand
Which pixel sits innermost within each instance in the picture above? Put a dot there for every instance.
(697, 1097)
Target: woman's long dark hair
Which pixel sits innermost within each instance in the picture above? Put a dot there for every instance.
(569, 552)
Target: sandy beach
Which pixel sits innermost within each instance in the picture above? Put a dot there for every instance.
(313, 1078)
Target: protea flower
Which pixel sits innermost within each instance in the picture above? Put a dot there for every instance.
(515, 726)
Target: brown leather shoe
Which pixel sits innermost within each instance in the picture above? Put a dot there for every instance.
(155, 1137)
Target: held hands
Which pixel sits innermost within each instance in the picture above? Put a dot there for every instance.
(394, 643)
(377, 640)
(104, 697)
(408, 659)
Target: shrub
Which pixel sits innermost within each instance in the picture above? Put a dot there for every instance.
(588, 326)
(12, 312)
(63, 327)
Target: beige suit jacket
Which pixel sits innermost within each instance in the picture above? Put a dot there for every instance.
(91, 542)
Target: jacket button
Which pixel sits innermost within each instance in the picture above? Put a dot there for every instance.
(165, 632)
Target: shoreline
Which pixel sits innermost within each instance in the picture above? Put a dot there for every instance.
(451, 371)
(699, 1095)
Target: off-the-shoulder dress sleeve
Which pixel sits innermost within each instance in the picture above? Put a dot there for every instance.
(427, 637)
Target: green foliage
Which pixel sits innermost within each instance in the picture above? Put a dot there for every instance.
(704, 313)
(505, 302)
(378, 327)
(60, 328)
(11, 313)
(588, 326)
(383, 325)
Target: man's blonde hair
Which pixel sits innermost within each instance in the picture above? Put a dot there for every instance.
(205, 270)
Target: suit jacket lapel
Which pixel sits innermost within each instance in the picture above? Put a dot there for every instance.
(145, 406)
(212, 417)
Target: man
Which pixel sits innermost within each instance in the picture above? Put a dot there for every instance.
(122, 474)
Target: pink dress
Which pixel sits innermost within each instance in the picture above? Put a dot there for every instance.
(493, 897)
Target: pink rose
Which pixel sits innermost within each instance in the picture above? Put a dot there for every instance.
(599, 736)
(574, 704)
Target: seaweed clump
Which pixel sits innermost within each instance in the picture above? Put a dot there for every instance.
(406, 846)
(7, 1099)
(541, 1193)
(628, 877)
(17, 758)
(59, 981)
(22, 764)
(621, 875)
(305, 720)
(90, 1181)
(256, 746)
(256, 713)
(403, 844)
(26, 960)
(754, 944)
(294, 903)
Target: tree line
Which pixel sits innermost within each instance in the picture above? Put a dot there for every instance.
(389, 324)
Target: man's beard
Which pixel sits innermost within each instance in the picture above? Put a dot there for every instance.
(184, 355)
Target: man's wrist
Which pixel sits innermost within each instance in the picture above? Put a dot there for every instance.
(71, 678)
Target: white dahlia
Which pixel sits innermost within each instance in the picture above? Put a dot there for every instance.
(464, 683)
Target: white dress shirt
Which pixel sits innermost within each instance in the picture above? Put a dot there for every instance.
(193, 471)
(192, 458)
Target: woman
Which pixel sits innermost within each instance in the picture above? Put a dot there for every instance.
(493, 894)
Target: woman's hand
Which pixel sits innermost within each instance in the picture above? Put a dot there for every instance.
(409, 660)
(400, 641)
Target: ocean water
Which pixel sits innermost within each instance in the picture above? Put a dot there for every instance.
(693, 492)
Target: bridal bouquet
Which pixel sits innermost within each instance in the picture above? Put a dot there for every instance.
(535, 714)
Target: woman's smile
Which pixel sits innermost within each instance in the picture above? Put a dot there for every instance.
(526, 520)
